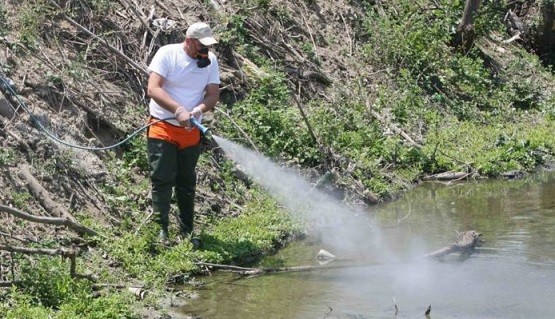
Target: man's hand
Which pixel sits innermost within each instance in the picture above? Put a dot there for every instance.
(196, 112)
(182, 116)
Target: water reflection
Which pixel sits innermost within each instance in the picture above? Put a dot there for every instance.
(510, 276)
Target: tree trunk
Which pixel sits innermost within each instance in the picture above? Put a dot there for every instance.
(547, 38)
(464, 37)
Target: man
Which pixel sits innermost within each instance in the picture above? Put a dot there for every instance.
(183, 83)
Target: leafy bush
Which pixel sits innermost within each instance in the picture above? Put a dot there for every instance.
(49, 283)
(111, 306)
(21, 306)
(268, 116)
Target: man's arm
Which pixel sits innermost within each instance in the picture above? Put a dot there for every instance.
(211, 97)
(158, 94)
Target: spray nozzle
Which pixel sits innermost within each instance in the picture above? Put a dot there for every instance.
(203, 129)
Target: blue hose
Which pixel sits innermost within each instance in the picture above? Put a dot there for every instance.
(8, 86)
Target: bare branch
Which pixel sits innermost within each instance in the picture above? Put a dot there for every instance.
(50, 221)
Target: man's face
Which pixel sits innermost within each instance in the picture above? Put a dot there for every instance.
(195, 46)
(199, 51)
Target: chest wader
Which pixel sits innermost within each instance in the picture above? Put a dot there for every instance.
(171, 168)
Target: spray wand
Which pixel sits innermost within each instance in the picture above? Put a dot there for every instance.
(203, 129)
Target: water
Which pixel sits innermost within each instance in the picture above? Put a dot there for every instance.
(510, 276)
(342, 228)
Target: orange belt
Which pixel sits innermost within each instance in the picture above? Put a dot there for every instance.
(177, 135)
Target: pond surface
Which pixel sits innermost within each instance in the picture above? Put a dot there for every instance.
(512, 275)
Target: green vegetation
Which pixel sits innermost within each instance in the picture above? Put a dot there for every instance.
(31, 16)
(47, 291)
(267, 116)
(7, 157)
(235, 239)
(469, 113)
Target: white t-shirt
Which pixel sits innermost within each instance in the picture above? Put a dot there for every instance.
(184, 80)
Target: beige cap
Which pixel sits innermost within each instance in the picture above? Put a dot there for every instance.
(202, 32)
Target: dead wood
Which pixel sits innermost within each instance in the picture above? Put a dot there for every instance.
(246, 271)
(80, 229)
(42, 195)
(64, 252)
(394, 128)
(133, 7)
(310, 130)
(101, 289)
(470, 9)
(102, 41)
(448, 176)
(70, 253)
(247, 137)
(465, 243)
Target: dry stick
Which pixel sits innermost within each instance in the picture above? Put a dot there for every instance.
(348, 35)
(96, 203)
(305, 20)
(310, 131)
(64, 252)
(164, 7)
(460, 178)
(393, 127)
(151, 45)
(110, 47)
(245, 271)
(144, 222)
(42, 195)
(305, 119)
(448, 176)
(50, 221)
(139, 14)
(216, 5)
(139, 291)
(178, 7)
(23, 240)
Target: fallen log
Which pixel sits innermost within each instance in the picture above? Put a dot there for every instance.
(448, 176)
(80, 229)
(465, 243)
(247, 271)
(40, 193)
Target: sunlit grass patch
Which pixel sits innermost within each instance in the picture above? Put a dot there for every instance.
(493, 148)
